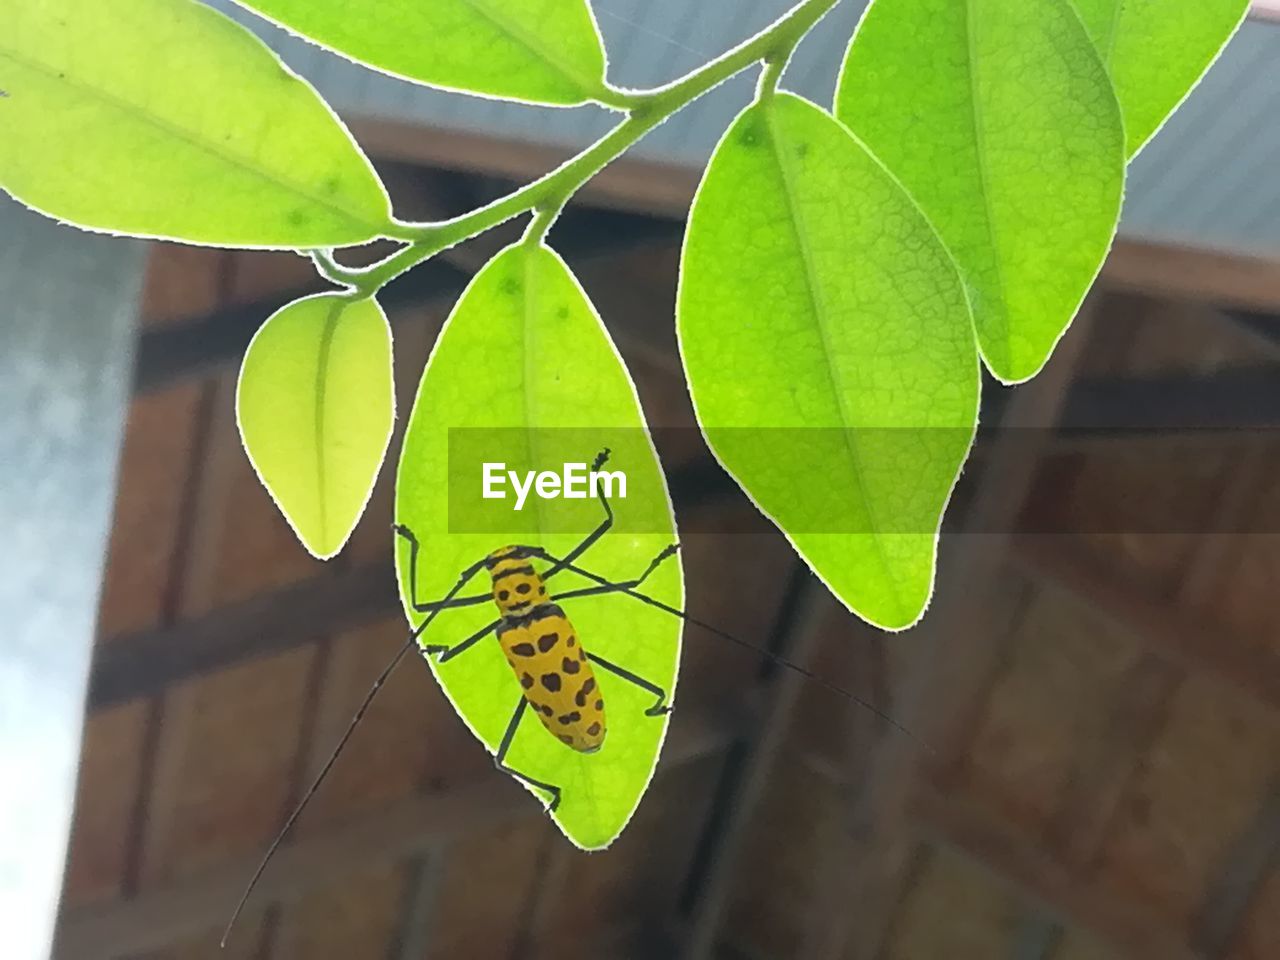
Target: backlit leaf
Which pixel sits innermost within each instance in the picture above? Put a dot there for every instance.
(1157, 51)
(315, 406)
(163, 118)
(525, 371)
(541, 51)
(999, 117)
(830, 352)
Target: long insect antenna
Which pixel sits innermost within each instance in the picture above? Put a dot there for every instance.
(333, 757)
(771, 656)
(315, 784)
(781, 661)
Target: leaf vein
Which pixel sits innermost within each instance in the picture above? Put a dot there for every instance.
(192, 139)
(818, 304)
(984, 183)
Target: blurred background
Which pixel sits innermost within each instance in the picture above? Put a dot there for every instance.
(1098, 680)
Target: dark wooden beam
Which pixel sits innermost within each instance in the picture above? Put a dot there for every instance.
(1180, 636)
(956, 648)
(1254, 855)
(796, 635)
(1176, 272)
(626, 184)
(174, 352)
(1239, 399)
(1105, 771)
(141, 664)
(410, 828)
(1137, 932)
(1265, 10)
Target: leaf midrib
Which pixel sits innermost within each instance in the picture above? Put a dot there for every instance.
(531, 42)
(528, 342)
(834, 378)
(984, 184)
(164, 125)
(331, 321)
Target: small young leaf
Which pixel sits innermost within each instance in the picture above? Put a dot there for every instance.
(538, 51)
(163, 118)
(999, 117)
(525, 368)
(829, 351)
(1157, 51)
(315, 406)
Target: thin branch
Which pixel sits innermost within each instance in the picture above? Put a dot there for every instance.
(646, 110)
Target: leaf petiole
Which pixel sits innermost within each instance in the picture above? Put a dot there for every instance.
(645, 110)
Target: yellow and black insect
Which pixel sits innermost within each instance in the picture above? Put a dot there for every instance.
(554, 669)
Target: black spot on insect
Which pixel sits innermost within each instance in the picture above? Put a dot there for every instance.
(571, 641)
(580, 699)
(568, 718)
(589, 685)
(551, 681)
(565, 738)
(526, 681)
(546, 709)
(542, 591)
(504, 594)
(523, 588)
(570, 666)
(523, 650)
(582, 654)
(593, 729)
(599, 704)
(547, 641)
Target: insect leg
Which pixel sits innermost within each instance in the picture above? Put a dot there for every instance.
(448, 653)
(558, 565)
(659, 707)
(606, 586)
(621, 586)
(430, 605)
(500, 758)
(337, 750)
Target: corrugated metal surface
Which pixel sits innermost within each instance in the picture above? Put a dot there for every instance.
(1208, 178)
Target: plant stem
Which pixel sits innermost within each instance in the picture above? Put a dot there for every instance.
(647, 109)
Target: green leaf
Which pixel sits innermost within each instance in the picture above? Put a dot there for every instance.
(162, 118)
(315, 405)
(1157, 51)
(538, 51)
(830, 352)
(999, 118)
(525, 374)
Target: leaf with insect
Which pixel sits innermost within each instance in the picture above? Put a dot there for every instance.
(999, 117)
(229, 148)
(525, 370)
(315, 406)
(1157, 51)
(539, 51)
(830, 351)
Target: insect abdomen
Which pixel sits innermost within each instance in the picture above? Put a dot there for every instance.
(556, 677)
